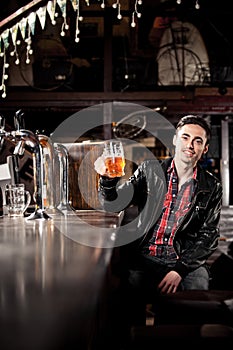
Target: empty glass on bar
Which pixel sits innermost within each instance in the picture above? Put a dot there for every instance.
(17, 199)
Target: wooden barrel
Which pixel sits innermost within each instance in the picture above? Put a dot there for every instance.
(83, 179)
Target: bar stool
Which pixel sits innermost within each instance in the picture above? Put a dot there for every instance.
(182, 336)
(192, 318)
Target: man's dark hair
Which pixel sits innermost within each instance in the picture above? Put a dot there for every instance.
(196, 119)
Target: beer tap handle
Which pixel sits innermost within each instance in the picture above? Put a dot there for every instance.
(19, 122)
(19, 148)
(2, 122)
(2, 131)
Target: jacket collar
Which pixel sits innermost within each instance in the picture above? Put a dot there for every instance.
(202, 181)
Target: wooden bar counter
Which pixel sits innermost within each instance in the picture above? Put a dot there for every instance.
(51, 276)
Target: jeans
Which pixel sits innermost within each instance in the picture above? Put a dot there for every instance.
(144, 278)
(149, 272)
(138, 287)
(197, 279)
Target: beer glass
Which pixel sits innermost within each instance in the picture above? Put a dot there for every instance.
(17, 199)
(114, 158)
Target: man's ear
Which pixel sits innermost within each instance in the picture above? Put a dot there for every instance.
(174, 140)
(206, 149)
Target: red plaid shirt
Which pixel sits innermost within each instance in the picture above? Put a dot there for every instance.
(175, 206)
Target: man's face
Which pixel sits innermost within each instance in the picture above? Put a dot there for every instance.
(190, 142)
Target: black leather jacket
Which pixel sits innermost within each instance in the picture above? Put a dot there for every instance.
(197, 233)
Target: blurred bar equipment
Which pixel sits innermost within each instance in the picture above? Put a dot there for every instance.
(63, 158)
(2, 127)
(49, 183)
(13, 164)
(27, 138)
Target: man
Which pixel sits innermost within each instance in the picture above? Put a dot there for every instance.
(172, 253)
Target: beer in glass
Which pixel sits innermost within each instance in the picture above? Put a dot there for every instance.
(114, 158)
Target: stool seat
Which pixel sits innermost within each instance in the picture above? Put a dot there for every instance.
(184, 336)
(195, 307)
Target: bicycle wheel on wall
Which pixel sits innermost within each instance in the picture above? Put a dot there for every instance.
(182, 58)
(180, 66)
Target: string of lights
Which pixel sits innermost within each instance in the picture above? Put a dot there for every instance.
(26, 26)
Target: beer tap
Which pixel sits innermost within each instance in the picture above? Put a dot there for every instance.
(64, 205)
(12, 160)
(24, 138)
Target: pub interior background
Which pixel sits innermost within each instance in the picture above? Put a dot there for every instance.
(188, 71)
(120, 58)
